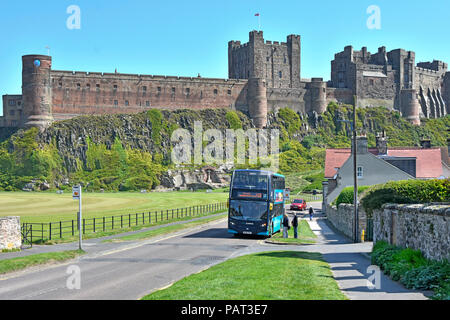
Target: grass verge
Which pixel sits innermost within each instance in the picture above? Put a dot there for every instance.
(165, 230)
(101, 234)
(305, 235)
(281, 275)
(16, 264)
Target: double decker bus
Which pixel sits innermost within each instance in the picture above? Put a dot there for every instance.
(256, 203)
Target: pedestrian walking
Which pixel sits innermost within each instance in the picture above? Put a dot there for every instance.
(295, 226)
(311, 212)
(285, 226)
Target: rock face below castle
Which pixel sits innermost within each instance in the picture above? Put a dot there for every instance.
(263, 77)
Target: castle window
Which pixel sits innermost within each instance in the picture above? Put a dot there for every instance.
(116, 103)
(216, 92)
(371, 82)
(12, 102)
(147, 103)
(14, 123)
(60, 84)
(12, 112)
(78, 86)
(19, 103)
(188, 91)
(285, 59)
(173, 90)
(229, 92)
(88, 86)
(97, 86)
(144, 89)
(280, 74)
(159, 89)
(382, 82)
(115, 88)
(127, 103)
(268, 59)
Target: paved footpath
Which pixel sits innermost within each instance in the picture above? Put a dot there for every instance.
(132, 269)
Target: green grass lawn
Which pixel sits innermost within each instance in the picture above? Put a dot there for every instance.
(165, 230)
(16, 264)
(305, 235)
(51, 207)
(279, 275)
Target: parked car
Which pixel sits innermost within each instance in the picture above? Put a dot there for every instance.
(298, 204)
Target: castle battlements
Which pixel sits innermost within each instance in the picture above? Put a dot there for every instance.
(263, 76)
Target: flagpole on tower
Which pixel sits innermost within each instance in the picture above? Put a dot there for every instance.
(259, 21)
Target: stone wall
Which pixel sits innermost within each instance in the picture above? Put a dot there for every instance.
(342, 219)
(420, 227)
(10, 236)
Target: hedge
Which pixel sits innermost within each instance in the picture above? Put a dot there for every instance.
(346, 195)
(406, 192)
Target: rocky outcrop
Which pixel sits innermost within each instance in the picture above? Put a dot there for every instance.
(204, 178)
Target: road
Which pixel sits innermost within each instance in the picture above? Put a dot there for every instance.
(132, 270)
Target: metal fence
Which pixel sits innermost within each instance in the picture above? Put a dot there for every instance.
(41, 232)
(306, 196)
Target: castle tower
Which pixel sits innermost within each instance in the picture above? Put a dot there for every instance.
(409, 106)
(36, 91)
(257, 101)
(318, 95)
(294, 52)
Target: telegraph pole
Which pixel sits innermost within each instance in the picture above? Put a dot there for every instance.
(355, 176)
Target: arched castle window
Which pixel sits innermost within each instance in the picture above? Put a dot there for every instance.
(216, 92)
(127, 103)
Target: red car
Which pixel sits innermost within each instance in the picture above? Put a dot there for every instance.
(298, 204)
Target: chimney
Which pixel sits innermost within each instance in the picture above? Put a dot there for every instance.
(425, 143)
(382, 143)
(361, 145)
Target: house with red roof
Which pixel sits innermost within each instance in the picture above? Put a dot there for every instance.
(382, 164)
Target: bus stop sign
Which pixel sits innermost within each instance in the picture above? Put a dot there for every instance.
(76, 193)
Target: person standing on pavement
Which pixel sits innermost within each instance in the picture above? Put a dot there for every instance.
(295, 226)
(285, 226)
(311, 212)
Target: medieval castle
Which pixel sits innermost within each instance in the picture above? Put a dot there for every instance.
(263, 76)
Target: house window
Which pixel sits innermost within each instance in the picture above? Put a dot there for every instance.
(127, 103)
(19, 103)
(14, 123)
(116, 102)
(12, 102)
(360, 172)
(12, 112)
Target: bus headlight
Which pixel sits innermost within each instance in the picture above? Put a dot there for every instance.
(264, 225)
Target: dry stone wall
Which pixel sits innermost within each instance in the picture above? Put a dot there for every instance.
(424, 227)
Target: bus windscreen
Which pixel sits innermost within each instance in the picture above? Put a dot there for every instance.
(250, 180)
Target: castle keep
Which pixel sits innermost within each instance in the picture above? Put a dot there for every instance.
(263, 76)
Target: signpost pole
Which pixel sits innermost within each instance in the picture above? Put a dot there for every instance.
(79, 221)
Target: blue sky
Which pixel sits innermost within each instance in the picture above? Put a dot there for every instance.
(190, 37)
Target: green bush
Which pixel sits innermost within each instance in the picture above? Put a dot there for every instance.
(412, 269)
(346, 195)
(233, 120)
(404, 192)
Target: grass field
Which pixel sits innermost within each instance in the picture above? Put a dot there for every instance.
(50, 207)
(305, 235)
(264, 276)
